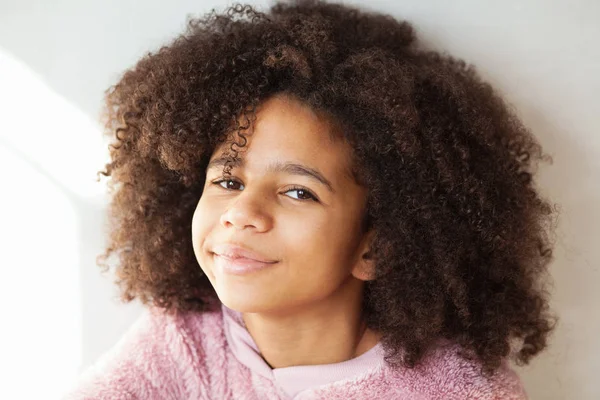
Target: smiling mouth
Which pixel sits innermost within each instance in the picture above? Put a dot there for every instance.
(240, 265)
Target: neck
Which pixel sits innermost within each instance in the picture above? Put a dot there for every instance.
(327, 331)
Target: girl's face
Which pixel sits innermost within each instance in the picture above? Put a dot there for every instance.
(317, 244)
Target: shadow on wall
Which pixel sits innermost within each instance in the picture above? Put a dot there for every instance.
(52, 216)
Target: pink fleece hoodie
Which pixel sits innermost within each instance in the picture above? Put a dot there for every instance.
(212, 355)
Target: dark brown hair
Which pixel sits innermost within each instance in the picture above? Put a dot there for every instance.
(462, 235)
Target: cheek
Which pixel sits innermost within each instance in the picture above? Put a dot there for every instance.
(326, 234)
(304, 235)
(318, 248)
(202, 221)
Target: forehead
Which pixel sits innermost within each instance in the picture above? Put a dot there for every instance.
(286, 130)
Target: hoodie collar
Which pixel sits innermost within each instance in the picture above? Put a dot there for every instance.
(293, 379)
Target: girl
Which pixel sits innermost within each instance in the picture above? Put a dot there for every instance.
(314, 207)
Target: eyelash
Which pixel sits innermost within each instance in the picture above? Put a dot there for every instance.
(308, 192)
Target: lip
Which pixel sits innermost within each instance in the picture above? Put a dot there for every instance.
(240, 265)
(234, 252)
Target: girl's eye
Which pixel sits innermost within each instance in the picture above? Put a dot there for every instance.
(218, 182)
(307, 194)
(303, 194)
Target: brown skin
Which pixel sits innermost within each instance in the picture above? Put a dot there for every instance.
(294, 321)
(461, 236)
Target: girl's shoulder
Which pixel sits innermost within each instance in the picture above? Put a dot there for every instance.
(445, 374)
(161, 355)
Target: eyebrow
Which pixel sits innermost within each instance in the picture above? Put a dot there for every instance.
(279, 166)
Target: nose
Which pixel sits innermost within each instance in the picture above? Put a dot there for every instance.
(247, 210)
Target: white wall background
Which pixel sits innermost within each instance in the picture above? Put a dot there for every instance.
(59, 314)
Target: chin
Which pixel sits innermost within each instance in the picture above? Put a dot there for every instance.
(244, 301)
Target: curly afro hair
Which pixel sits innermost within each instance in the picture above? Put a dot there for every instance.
(462, 238)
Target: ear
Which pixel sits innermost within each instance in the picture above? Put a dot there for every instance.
(364, 268)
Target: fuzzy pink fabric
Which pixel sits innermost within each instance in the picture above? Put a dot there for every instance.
(212, 356)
